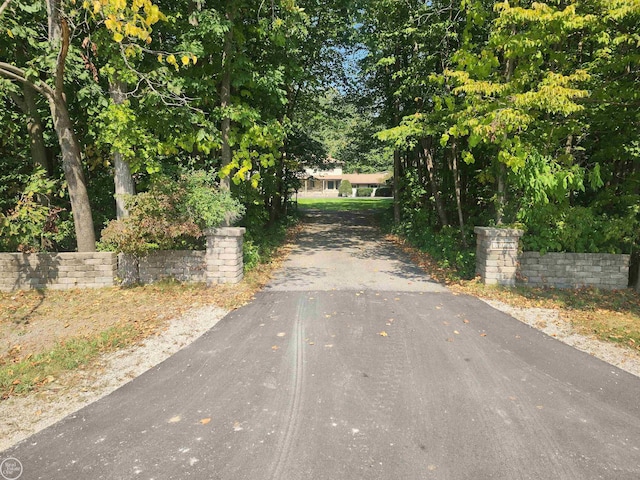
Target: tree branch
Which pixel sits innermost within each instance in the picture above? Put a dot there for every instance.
(62, 57)
(4, 6)
(17, 74)
(18, 101)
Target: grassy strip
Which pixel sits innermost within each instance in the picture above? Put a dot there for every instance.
(345, 203)
(612, 316)
(33, 372)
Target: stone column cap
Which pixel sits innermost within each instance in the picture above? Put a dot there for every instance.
(498, 232)
(225, 231)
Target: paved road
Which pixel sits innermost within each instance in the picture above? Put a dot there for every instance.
(393, 379)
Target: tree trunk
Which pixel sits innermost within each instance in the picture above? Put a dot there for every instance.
(34, 127)
(53, 21)
(427, 153)
(72, 166)
(225, 100)
(396, 186)
(122, 178)
(69, 146)
(458, 190)
(501, 199)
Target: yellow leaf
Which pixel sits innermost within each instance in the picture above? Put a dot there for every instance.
(194, 59)
(111, 23)
(185, 60)
(10, 33)
(204, 421)
(160, 58)
(118, 37)
(383, 334)
(96, 6)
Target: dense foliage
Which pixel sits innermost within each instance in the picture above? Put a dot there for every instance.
(488, 112)
(171, 214)
(511, 113)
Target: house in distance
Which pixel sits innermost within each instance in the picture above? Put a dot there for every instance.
(324, 181)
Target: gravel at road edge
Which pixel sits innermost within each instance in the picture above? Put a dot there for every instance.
(21, 417)
(549, 321)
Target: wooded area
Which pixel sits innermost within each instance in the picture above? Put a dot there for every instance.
(508, 113)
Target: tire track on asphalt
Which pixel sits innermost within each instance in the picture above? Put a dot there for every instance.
(296, 353)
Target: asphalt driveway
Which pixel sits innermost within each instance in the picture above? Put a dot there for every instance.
(352, 364)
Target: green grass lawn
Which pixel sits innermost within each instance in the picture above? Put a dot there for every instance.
(345, 203)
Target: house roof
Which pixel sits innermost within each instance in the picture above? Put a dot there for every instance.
(368, 178)
(356, 178)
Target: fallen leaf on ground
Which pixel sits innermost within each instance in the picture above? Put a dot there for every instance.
(275, 347)
(465, 321)
(281, 334)
(383, 334)
(456, 332)
(483, 334)
(175, 419)
(204, 421)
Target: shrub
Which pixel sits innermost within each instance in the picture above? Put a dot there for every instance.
(171, 215)
(364, 192)
(31, 225)
(384, 192)
(553, 228)
(345, 189)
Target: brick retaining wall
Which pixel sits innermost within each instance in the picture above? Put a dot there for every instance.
(499, 261)
(497, 255)
(572, 270)
(221, 263)
(19, 271)
(181, 265)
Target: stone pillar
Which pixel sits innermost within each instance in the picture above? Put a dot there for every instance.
(497, 255)
(224, 255)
